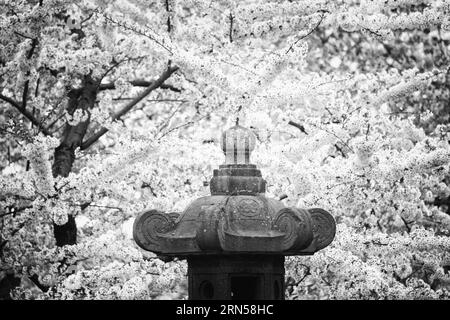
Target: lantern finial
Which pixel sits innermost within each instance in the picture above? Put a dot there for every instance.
(237, 143)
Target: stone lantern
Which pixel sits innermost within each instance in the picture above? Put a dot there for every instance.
(235, 240)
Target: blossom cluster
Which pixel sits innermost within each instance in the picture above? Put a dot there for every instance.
(346, 122)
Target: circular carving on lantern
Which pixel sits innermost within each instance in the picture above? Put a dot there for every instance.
(296, 226)
(324, 227)
(148, 226)
(249, 207)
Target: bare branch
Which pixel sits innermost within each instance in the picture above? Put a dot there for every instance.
(22, 107)
(231, 27)
(13, 211)
(26, 113)
(169, 24)
(116, 64)
(23, 35)
(310, 31)
(25, 94)
(151, 100)
(134, 29)
(307, 273)
(56, 121)
(11, 101)
(372, 32)
(88, 18)
(166, 123)
(139, 83)
(407, 224)
(154, 85)
(34, 43)
(180, 126)
(333, 134)
(298, 126)
(238, 66)
(339, 149)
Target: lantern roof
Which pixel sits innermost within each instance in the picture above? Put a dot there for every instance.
(237, 217)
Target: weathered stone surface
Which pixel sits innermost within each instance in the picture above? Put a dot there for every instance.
(218, 277)
(235, 240)
(296, 226)
(235, 224)
(237, 180)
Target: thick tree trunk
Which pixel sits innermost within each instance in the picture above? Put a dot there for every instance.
(6, 285)
(64, 155)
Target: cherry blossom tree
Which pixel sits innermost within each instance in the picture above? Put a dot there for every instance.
(111, 107)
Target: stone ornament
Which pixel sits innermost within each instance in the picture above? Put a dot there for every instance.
(237, 217)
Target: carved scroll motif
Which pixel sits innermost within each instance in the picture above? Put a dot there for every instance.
(324, 227)
(296, 225)
(148, 227)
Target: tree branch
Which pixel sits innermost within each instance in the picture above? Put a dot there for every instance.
(11, 101)
(26, 113)
(23, 35)
(310, 31)
(154, 85)
(307, 273)
(231, 28)
(22, 107)
(34, 43)
(134, 29)
(298, 126)
(407, 224)
(339, 149)
(138, 83)
(25, 94)
(169, 25)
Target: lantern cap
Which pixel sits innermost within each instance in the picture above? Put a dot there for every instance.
(237, 176)
(237, 144)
